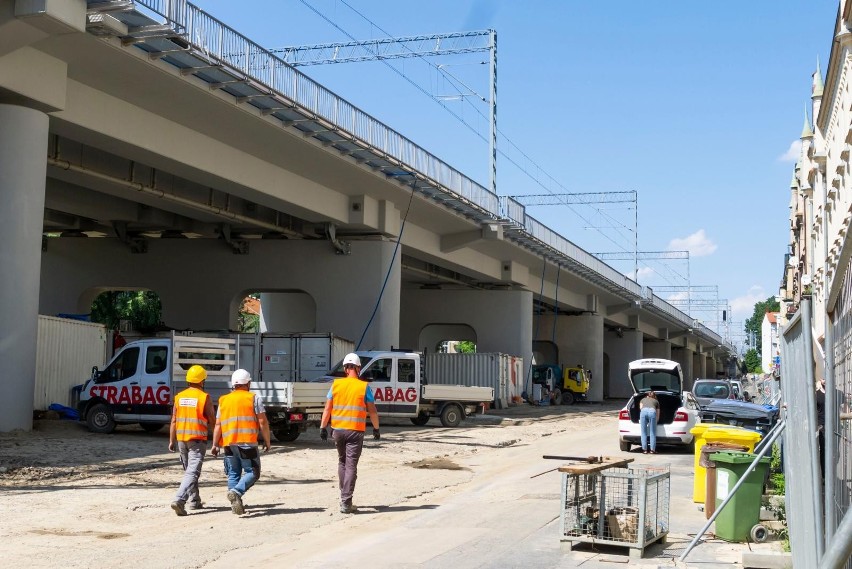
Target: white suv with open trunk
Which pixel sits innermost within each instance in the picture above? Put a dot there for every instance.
(679, 411)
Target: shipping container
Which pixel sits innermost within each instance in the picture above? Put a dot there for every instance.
(502, 372)
(292, 357)
(66, 351)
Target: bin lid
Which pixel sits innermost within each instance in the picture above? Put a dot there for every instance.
(732, 434)
(701, 428)
(734, 457)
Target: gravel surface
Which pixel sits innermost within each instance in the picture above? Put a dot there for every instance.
(72, 498)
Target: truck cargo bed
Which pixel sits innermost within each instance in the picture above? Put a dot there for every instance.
(292, 394)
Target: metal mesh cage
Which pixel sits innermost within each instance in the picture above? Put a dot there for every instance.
(618, 506)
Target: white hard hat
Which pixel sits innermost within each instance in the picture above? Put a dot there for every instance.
(352, 359)
(240, 377)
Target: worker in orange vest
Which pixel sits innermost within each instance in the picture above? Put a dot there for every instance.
(347, 404)
(191, 414)
(241, 415)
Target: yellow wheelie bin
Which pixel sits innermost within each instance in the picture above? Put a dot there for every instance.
(712, 432)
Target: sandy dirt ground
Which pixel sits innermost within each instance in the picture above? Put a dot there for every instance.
(71, 498)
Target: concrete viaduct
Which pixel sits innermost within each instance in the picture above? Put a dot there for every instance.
(170, 153)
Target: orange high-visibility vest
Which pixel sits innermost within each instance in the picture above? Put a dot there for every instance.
(237, 419)
(348, 408)
(190, 422)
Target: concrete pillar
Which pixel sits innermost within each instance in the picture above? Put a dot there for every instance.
(621, 349)
(699, 366)
(287, 312)
(23, 148)
(496, 320)
(657, 349)
(711, 367)
(684, 356)
(581, 341)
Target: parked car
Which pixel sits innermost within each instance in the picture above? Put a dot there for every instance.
(760, 418)
(679, 411)
(706, 390)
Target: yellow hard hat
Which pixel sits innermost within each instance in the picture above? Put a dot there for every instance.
(196, 374)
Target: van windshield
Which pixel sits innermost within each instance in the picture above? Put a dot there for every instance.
(658, 380)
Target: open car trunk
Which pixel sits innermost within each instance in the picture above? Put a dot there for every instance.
(669, 404)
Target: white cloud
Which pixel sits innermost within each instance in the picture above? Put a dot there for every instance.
(793, 153)
(698, 244)
(644, 274)
(743, 306)
(677, 296)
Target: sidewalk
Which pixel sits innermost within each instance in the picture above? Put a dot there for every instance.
(686, 519)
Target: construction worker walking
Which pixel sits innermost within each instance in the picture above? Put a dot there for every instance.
(241, 415)
(192, 414)
(348, 402)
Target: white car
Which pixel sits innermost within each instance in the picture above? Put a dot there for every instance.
(679, 411)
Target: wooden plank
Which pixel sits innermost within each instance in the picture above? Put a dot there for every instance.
(200, 341)
(202, 362)
(589, 468)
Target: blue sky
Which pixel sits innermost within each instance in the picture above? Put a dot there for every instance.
(693, 105)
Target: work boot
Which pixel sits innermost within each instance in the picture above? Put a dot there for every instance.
(178, 508)
(236, 502)
(347, 509)
(195, 505)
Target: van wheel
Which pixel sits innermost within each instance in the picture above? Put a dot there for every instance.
(287, 434)
(451, 416)
(151, 427)
(99, 419)
(567, 398)
(421, 419)
(624, 446)
(558, 397)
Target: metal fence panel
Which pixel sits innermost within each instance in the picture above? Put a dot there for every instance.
(839, 434)
(804, 512)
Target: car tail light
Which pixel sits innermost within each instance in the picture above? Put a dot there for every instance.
(624, 415)
(681, 416)
(297, 417)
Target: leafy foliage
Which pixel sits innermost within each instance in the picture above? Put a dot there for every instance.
(753, 324)
(142, 308)
(752, 361)
(466, 347)
(248, 322)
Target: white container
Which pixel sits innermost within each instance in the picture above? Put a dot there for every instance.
(67, 349)
(501, 372)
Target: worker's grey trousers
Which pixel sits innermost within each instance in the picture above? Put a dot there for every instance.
(191, 457)
(349, 445)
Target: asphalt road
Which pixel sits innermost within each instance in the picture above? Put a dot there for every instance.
(502, 518)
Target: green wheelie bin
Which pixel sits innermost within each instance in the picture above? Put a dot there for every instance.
(742, 514)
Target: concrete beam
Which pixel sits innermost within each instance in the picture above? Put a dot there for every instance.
(618, 308)
(456, 241)
(34, 79)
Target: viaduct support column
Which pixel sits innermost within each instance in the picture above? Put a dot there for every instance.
(580, 340)
(699, 367)
(23, 148)
(621, 350)
(711, 367)
(684, 356)
(657, 349)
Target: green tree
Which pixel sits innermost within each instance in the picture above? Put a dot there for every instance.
(466, 347)
(141, 307)
(753, 324)
(752, 361)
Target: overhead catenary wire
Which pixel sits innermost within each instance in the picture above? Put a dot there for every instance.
(470, 127)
